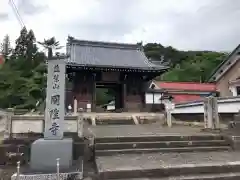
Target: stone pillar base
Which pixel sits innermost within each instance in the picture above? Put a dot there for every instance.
(45, 152)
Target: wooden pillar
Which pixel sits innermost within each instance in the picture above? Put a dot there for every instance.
(93, 105)
(124, 96)
(143, 109)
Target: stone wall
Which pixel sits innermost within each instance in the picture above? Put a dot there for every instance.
(199, 117)
(21, 131)
(35, 124)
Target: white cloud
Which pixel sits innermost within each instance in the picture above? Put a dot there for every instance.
(183, 24)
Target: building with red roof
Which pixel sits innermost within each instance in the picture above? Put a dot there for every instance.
(185, 91)
(227, 75)
(1, 59)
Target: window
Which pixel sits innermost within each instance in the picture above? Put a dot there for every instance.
(238, 90)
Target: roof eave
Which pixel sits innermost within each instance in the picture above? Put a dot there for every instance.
(215, 71)
(149, 69)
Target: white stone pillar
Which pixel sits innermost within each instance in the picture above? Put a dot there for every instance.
(208, 121)
(55, 101)
(80, 123)
(7, 118)
(169, 108)
(211, 117)
(216, 123)
(75, 106)
(205, 110)
(169, 118)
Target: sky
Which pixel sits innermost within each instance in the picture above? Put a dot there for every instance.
(183, 24)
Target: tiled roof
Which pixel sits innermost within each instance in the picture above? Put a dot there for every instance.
(186, 86)
(105, 54)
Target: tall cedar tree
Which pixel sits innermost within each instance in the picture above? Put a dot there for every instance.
(5, 47)
(22, 80)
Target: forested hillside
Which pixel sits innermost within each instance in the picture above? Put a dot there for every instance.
(195, 66)
(23, 80)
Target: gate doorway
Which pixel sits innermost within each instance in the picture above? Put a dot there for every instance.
(109, 97)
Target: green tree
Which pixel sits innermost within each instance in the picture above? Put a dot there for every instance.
(22, 79)
(196, 68)
(5, 47)
(158, 52)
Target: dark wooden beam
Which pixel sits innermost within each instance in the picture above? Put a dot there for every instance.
(93, 105)
(106, 69)
(124, 95)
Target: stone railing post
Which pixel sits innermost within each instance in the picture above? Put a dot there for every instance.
(75, 107)
(80, 122)
(207, 113)
(211, 117)
(58, 167)
(8, 124)
(18, 171)
(216, 123)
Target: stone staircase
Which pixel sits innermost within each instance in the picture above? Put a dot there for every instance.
(167, 157)
(108, 146)
(210, 171)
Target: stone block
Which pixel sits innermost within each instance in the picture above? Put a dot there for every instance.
(45, 152)
(235, 143)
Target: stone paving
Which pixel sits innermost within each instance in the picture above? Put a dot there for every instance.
(143, 130)
(163, 160)
(157, 160)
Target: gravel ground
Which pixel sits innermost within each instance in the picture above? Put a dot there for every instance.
(156, 160)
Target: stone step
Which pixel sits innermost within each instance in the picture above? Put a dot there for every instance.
(147, 138)
(159, 144)
(152, 150)
(221, 176)
(216, 171)
(115, 122)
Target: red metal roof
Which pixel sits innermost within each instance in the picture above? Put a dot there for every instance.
(187, 86)
(1, 60)
(180, 98)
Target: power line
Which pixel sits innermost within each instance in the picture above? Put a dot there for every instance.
(16, 12)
